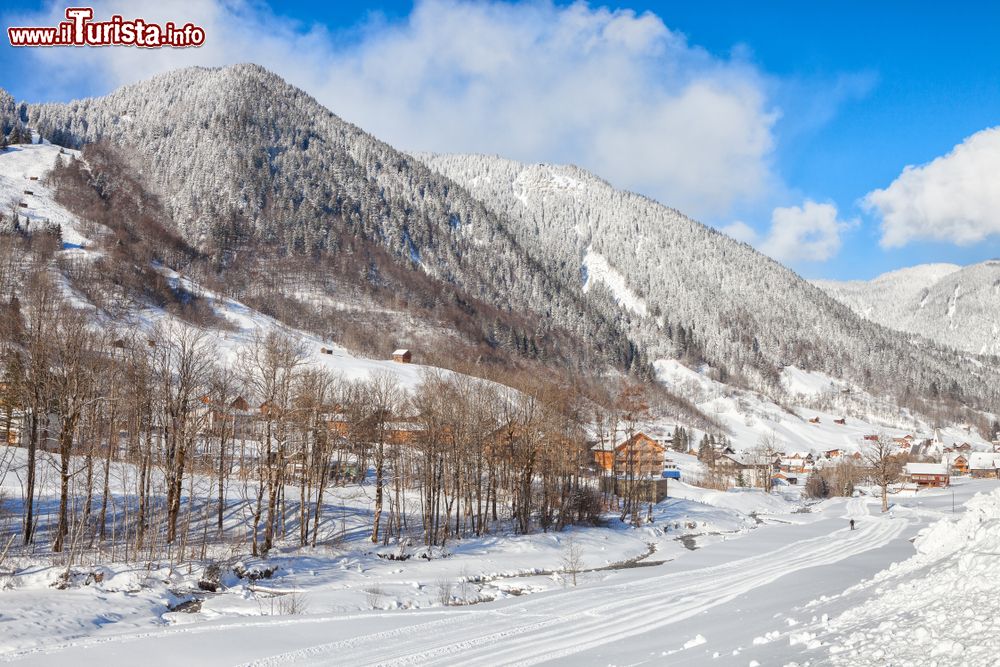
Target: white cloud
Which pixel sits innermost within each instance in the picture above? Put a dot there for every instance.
(807, 233)
(614, 91)
(954, 198)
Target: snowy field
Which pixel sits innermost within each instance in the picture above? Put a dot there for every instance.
(719, 578)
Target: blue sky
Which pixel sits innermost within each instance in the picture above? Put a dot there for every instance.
(774, 121)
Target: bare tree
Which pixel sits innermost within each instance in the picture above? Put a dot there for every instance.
(883, 466)
(270, 369)
(183, 359)
(572, 558)
(763, 456)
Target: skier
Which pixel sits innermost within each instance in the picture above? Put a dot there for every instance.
(852, 524)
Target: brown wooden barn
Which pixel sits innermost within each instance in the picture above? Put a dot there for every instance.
(402, 356)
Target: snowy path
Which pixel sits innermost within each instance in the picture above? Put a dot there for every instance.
(572, 623)
(552, 627)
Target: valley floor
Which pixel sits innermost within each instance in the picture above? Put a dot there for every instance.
(768, 595)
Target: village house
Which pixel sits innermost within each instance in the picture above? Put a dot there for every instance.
(927, 474)
(784, 479)
(904, 444)
(984, 465)
(397, 429)
(833, 453)
(958, 463)
(236, 417)
(753, 471)
(638, 456)
(797, 463)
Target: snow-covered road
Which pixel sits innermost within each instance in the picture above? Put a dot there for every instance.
(651, 614)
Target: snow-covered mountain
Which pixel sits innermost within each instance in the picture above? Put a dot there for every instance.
(953, 305)
(247, 164)
(549, 261)
(684, 289)
(240, 324)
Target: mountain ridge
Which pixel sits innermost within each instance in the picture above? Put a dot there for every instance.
(957, 306)
(244, 160)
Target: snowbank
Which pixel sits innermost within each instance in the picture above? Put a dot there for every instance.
(938, 607)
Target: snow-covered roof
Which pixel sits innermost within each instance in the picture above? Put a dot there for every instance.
(983, 461)
(401, 351)
(926, 469)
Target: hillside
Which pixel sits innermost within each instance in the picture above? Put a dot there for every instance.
(251, 171)
(236, 324)
(295, 209)
(685, 290)
(953, 305)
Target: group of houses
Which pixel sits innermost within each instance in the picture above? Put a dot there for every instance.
(642, 456)
(956, 461)
(236, 416)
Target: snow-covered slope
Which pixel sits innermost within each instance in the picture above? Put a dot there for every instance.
(750, 417)
(241, 159)
(953, 305)
(18, 166)
(684, 290)
(591, 275)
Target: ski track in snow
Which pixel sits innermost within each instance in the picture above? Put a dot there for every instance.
(547, 627)
(565, 624)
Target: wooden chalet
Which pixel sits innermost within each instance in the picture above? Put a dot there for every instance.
(754, 473)
(960, 465)
(402, 356)
(928, 474)
(640, 456)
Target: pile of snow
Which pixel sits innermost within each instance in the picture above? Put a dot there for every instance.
(938, 607)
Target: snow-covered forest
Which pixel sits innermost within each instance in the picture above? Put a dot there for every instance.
(950, 304)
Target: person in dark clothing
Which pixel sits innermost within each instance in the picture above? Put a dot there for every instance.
(852, 524)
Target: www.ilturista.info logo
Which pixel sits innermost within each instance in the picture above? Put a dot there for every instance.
(80, 30)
